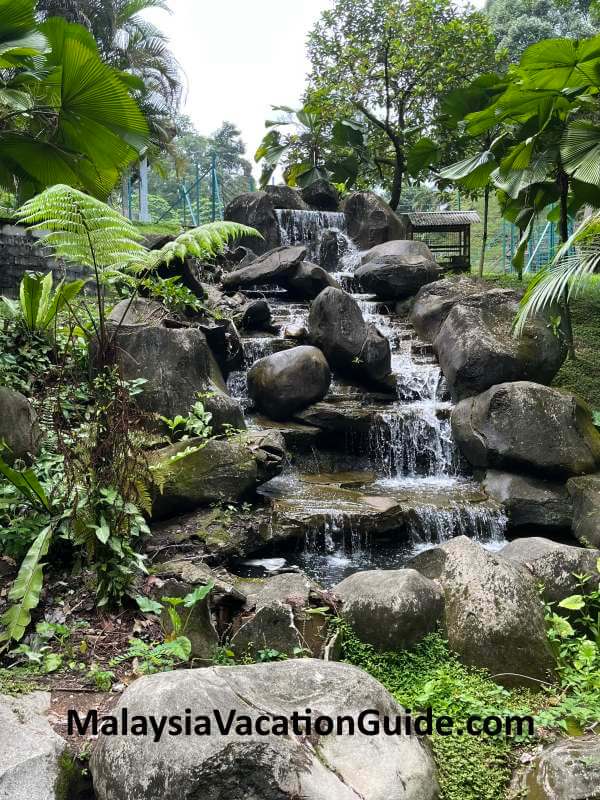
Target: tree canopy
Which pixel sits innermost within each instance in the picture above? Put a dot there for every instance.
(388, 62)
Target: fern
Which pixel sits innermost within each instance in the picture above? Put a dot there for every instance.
(204, 243)
(82, 229)
(25, 592)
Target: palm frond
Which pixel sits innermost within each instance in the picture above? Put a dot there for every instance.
(566, 275)
(82, 229)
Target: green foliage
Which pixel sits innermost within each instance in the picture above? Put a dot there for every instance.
(38, 305)
(172, 293)
(388, 62)
(469, 768)
(68, 116)
(196, 424)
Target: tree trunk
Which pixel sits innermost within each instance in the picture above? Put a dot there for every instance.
(398, 176)
(563, 231)
(486, 210)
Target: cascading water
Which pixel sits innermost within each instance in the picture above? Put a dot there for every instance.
(414, 463)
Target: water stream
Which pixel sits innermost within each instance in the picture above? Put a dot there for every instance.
(408, 464)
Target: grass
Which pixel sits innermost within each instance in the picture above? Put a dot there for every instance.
(469, 768)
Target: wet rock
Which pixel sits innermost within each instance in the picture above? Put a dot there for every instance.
(198, 472)
(256, 316)
(321, 196)
(337, 327)
(286, 197)
(273, 267)
(199, 629)
(527, 427)
(529, 501)
(308, 281)
(566, 770)
(256, 210)
(370, 220)
(554, 565)
(493, 614)
(286, 382)
(340, 416)
(585, 494)
(30, 751)
(476, 347)
(268, 448)
(225, 344)
(397, 269)
(227, 414)
(331, 249)
(391, 609)
(19, 427)
(214, 766)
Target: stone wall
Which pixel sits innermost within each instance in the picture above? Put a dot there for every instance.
(22, 252)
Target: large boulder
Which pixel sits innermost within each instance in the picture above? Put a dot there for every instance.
(19, 427)
(526, 426)
(286, 382)
(397, 269)
(337, 327)
(554, 565)
(177, 365)
(494, 616)
(282, 196)
(585, 494)
(308, 281)
(138, 311)
(195, 472)
(476, 347)
(434, 302)
(272, 268)
(569, 769)
(30, 751)
(370, 220)
(256, 210)
(321, 196)
(332, 247)
(530, 502)
(253, 766)
(256, 316)
(391, 609)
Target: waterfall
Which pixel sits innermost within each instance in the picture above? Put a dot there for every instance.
(307, 228)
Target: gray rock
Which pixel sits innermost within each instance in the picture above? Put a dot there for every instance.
(493, 614)
(337, 327)
(397, 269)
(138, 311)
(199, 625)
(19, 426)
(476, 347)
(525, 426)
(530, 501)
(553, 564)
(585, 494)
(391, 609)
(177, 365)
(370, 220)
(272, 267)
(30, 751)
(256, 210)
(212, 471)
(434, 302)
(285, 197)
(256, 316)
(308, 280)
(278, 767)
(332, 247)
(286, 382)
(566, 770)
(321, 196)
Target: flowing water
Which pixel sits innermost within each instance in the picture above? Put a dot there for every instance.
(403, 487)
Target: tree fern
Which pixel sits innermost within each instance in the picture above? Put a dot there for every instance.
(566, 275)
(204, 243)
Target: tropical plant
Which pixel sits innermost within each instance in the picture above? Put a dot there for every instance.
(388, 61)
(66, 117)
(299, 140)
(196, 424)
(38, 306)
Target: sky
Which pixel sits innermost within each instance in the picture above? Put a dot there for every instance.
(241, 57)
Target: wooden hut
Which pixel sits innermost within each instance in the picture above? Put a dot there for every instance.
(447, 234)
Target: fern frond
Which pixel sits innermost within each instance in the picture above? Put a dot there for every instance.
(82, 229)
(204, 243)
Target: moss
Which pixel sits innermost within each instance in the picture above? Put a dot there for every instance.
(17, 681)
